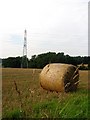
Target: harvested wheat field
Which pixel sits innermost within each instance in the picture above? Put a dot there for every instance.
(23, 96)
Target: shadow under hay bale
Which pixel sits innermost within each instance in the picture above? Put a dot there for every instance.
(59, 77)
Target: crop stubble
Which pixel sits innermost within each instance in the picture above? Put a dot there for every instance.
(27, 81)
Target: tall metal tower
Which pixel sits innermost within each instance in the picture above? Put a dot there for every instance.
(24, 63)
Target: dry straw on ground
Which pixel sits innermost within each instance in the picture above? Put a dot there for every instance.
(59, 77)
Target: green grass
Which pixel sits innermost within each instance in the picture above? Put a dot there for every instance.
(16, 113)
(75, 106)
(37, 102)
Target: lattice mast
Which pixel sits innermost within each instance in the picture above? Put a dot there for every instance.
(24, 63)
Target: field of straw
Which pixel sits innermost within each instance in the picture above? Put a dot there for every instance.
(23, 96)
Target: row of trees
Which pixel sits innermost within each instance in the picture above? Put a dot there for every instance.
(39, 61)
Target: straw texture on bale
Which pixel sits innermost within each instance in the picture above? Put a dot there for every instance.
(59, 77)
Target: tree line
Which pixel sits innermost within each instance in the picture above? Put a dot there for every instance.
(39, 61)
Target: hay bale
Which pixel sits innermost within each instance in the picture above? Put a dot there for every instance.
(59, 77)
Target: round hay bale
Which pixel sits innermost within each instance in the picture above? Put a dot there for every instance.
(59, 77)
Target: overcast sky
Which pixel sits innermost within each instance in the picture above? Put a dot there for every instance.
(52, 25)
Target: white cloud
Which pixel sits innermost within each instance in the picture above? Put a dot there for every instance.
(52, 25)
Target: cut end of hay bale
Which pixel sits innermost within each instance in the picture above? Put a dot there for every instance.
(59, 77)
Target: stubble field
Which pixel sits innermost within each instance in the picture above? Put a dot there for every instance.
(22, 96)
